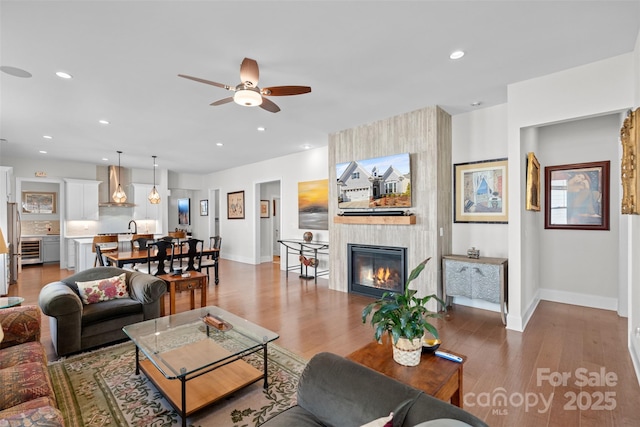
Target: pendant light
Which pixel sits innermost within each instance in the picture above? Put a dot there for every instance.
(119, 196)
(154, 196)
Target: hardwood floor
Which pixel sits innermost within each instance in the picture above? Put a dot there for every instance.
(510, 378)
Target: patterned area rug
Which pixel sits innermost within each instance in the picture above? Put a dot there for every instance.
(100, 388)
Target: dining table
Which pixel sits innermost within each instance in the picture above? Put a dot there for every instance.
(121, 258)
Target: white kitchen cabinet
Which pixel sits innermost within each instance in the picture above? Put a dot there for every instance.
(82, 199)
(476, 278)
(143, 209)
(71, 254)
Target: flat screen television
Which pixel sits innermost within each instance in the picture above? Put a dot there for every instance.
(377, 183)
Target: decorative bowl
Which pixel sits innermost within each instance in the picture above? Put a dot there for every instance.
(429, 345)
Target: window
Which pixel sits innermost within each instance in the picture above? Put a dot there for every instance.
(559, 201)
(355, 175)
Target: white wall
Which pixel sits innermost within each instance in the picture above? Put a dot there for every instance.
(480, 135)
(595, 89)
(581, 266)
(240, 235)
(632, 225)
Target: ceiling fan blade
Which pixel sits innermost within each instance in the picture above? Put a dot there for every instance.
(269, 105)
(222, 101)
(249, 72)
(285, 90)
(209, 82)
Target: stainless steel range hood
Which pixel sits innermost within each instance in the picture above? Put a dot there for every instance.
(110, 176)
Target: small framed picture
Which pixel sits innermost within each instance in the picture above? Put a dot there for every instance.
(264, 209)
(577, 196)
(235, 205)
(204, 207)
(533, 183)
(38, 202)
(184, 211)
(480, 192)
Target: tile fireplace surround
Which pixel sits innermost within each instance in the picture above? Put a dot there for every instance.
(426, 135)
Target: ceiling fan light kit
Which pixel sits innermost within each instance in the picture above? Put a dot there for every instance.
(247, 93)
(249, 97)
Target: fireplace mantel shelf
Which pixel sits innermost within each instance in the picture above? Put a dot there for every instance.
(376, 219)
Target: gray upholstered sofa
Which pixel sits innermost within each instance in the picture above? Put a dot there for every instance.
(77, 326)
(334, 391)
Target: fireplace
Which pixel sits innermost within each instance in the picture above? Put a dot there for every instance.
(374, 270)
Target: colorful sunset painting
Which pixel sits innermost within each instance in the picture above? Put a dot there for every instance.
(313, 205)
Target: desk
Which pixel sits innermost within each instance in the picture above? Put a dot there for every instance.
(305, 250)
(121, 258)
(178, 283)
(434, 375)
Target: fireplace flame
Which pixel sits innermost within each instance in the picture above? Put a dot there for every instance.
(382, 275)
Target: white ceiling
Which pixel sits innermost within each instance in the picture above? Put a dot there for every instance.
(365, 61)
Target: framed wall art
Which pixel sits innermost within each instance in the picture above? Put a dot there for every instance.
(204, 207)
(480, 192)
(264, 209)
(577, 196)
(533, 183)
(235, 205)
(184, 211)
(630, 139)
(38, 202)
(313, 205)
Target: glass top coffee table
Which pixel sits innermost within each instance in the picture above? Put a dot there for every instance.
(194, 362)
(6, 302)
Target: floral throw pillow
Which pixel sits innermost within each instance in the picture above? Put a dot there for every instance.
(103, 289)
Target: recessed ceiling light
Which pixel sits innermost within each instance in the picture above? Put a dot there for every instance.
(261, 129)
(43, 152)
(14, 71)
(64, 75)
(306, 146)
(476, 104)
(219, 144)
(47, 136)
(457, 54)
(104, 159)
(103, 122)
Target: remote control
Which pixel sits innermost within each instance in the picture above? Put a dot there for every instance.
(448, 356)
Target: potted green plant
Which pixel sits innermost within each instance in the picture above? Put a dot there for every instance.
(405, 318)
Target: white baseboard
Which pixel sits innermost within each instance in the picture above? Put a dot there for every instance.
(634, 352)
(585, 300)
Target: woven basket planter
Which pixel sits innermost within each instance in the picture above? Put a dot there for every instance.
(407, 352)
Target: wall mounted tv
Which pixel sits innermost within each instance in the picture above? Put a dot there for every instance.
(381, 182)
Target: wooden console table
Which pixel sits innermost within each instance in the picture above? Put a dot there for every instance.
(477, 278)
(434, 375)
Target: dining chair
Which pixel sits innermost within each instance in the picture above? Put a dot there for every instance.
(139, 241)
(215, 242)
(163, 260)
(99, 259)
(193, 255)
(107, 243)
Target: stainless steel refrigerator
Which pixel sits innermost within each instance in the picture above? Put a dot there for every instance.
(14, 227)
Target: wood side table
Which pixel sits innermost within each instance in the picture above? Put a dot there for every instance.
(434, 375)
(177, 283)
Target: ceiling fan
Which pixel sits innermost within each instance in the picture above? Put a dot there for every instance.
(248, 93)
